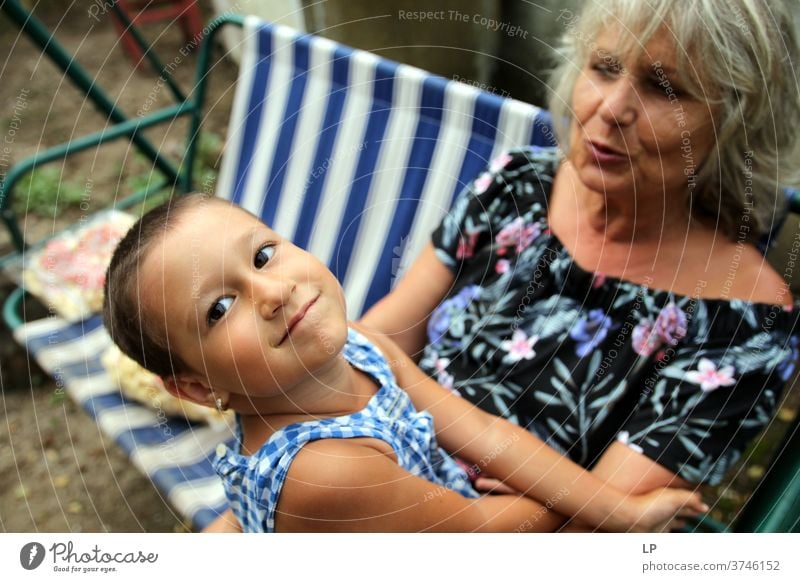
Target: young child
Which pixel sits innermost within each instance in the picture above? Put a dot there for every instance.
(335, 423)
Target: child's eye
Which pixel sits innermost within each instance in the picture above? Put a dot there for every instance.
(218, 310)
(263, 255)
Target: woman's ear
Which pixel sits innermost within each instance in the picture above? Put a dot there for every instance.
(191, 389)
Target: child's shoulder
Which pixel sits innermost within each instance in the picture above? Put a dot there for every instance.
(389, 350)
(328, 478)
(405, 371)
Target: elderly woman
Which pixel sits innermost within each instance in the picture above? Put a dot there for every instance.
(610, 298)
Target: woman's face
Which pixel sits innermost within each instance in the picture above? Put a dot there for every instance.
(635, 128)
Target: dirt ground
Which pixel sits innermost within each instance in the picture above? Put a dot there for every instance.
(57, 472)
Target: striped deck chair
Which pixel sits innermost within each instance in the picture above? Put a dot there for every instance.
(351, 156)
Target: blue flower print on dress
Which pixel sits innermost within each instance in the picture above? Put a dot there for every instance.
(442, 317)
(590, 331)
(786, 367)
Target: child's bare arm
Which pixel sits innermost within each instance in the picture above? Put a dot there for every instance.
(527, 464)
(338, 485)
(225, 523)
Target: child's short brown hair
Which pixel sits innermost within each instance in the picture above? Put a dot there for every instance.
(140, 337)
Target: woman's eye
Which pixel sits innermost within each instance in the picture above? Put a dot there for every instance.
(219, 309)
(607, 69)
(263, 255)
(666, 87)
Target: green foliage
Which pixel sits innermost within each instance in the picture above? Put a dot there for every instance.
(204, 169)
(58, 397)
(209, 150)
(42, 192)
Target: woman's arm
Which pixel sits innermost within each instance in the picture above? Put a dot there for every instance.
(403, 314)
(524, 462)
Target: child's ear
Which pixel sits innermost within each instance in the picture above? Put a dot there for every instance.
(188, 388)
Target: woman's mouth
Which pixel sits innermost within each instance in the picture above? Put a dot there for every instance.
(604, 154)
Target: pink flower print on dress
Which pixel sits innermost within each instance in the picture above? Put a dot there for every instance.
(442, 376)
(502, 266)
(483, 182)
(598, 280)
(645, 339)
(500, 162)
(441, 364)
(708, 377)
(466, 245)
(669, 327)
(624, 438)
(519, 347)
(517, 234)
(446, 381)
(671, 324)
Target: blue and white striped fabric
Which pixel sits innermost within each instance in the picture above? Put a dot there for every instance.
(351, 156)
(356, 158)
(174, 453)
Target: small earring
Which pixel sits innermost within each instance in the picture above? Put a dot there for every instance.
(221, 406)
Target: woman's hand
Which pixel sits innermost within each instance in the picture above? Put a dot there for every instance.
(661, 510)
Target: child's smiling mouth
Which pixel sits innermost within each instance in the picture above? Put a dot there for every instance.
(298, 317)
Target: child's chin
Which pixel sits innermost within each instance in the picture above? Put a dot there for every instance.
(338, 337)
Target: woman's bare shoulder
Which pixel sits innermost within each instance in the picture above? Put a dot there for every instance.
(744, 273)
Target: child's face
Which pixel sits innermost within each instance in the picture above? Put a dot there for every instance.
(247, 311)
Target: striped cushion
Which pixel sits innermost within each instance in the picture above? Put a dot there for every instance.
(174, 453)
(353, 157)
(356, 158)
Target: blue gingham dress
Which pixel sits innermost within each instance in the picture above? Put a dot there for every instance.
(253, 484)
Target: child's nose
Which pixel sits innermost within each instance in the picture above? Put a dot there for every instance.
(272, 293)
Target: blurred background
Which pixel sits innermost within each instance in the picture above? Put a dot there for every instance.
(57, 472)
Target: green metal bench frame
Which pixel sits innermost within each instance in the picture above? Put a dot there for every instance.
(121, 125)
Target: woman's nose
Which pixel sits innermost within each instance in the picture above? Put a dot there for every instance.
(620, 103)
(271, 293)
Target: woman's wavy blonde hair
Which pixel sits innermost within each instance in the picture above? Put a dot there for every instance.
(738, 55)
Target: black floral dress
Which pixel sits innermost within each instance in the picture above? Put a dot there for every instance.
(582, 359)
